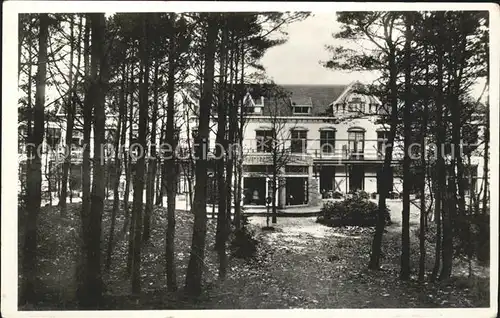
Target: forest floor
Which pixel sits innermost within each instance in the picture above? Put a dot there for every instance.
(301, 264)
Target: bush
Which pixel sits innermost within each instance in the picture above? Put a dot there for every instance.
(362, 195)
(356, 210)
(244, 244)
(337, 195)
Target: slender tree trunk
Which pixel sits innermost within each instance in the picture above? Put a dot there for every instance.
(140, 169)
(118, 172)
(161, 177)
(127, 158)
(86, 163)
(407, 183)
(94, 279)
(449, 205)
(240, 131)
(423, 167)
(440, 164)
(386, 170)
(221, 233)
(34, 176)
(70, 112)
(171, 163)
(152, 162)
(199, 209)
(485, 198)
(129, 215)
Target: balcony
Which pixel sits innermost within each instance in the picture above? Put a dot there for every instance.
(340, 150)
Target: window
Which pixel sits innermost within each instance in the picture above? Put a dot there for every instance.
(327, 141)
(356, 107)
(470, 178)
(383, 110)
(301, 109)
(199, 145)
(470, 135)
(356, 141)
(299, 141)
(250, 109)
(297, 169)
(53, 136)
(258, 168)
(264, 140)
(22, 137)
(382, 137)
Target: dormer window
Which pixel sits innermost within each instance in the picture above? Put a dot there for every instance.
(253, 105)
(301, 109)
(301, 105)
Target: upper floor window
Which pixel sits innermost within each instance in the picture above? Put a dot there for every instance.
(264, 140)
(382, 110)
(470, 136)
(301, 104)
(200, 146)
(327, 141)
(77, 138)
(253, 104)
(53, 136)
(382, 137)
(356, 139)
(298, 141)
(301, 109)
(356, 107)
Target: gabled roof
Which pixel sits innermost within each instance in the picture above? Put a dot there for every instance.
(318, 97)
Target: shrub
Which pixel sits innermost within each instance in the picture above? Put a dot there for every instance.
(362, 195)
(337, 195)
(356, 210)
(244, 244)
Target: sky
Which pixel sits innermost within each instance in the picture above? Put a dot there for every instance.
(298, 60)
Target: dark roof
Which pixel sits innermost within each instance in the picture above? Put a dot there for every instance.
(319, 97)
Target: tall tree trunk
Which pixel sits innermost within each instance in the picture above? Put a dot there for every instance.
(448, 206)
(199, 208)
(407, 182)
(94, 279)
(386, 170)
(423, 167)
(152, 161)
(70, 113)
(440, 164)
(128, 224)
(140, 166)
(118, 171)
(238, 100)
(86, 163)
(161, 178)
(34, 176)
(221, 232)
(485, 198)
(170, 167)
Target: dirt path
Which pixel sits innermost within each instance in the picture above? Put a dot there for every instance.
(308, 265)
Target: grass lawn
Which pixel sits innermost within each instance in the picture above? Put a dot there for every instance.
(301, 264)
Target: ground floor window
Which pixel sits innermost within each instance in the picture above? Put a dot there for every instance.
(326, 179)
(390, 180)
(356, 178)
(297, 190)
(254, 190)
(75, 177)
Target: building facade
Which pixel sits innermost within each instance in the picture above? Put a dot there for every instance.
(328, 141)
